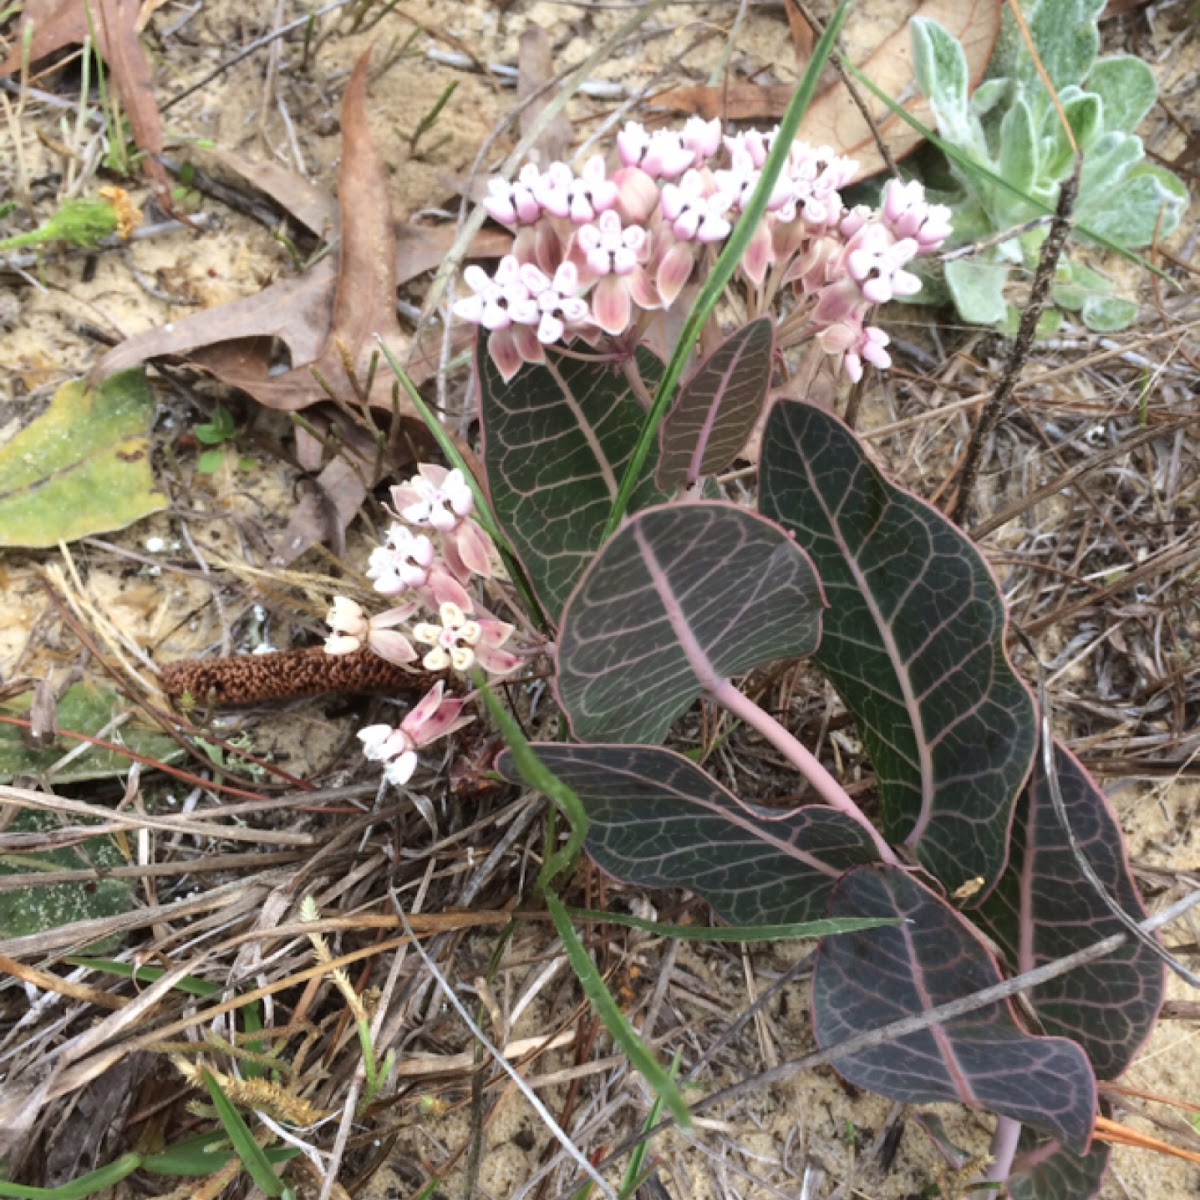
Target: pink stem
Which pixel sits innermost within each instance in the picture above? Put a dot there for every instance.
(1004, 1150)
(828, 788)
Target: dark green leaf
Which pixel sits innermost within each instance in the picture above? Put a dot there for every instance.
(1044, 909)
(913, 642)
(680, 598)
(716, 409)
(556, 439)
(983, 1059)
(657, 820)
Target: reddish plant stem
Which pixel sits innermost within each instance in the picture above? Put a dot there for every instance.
(1004, 1150)
(828, 788)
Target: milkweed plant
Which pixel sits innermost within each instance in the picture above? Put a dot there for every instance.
(640, 609)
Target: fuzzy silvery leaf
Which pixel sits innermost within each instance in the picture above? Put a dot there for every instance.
(1085, 115)
(1108, 314)
(988, 95)
(1149, 203)
(1075, 284)
(1104, 171)
(941, 70)
(1066, 36)
(1128, 88)
(1018, 163)
(978, 289)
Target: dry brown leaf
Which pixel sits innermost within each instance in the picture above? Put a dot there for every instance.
(234, 341)
(833, 119)
(58, 24)
(313, 207)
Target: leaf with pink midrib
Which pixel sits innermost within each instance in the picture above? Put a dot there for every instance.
(716, 408)
(984, 1059)
(681, 596)
(658, 820)
(1044, 908)
(913, 643)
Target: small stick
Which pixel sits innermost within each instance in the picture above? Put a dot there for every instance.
(994, 409)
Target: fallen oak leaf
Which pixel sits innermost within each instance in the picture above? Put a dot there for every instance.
(54, 25)
(833, 119)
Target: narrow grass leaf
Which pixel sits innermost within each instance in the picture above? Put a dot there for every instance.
(615, 1021)
(734, 933)
(252, 1155)
(537, 775)
(86, 1185)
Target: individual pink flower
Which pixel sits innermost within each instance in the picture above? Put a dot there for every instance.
(557, 299)
(434, 717)
(856, 345)
(701, 137)
(612, 254)
(514, 203)
(440, 499)
(459, 643)
(402, 564)
(908, 215)
(352, 630)
(661, 154)
(875, 261)
(591, 192)
(695, 210)
(497, 301)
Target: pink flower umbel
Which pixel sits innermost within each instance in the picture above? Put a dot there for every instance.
(434, 717)
(596, 251)
(459, 643)
(441, 500)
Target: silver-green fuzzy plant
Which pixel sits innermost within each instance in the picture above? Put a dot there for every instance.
(1011, 127)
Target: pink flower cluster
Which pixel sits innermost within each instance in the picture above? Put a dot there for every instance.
(596, 251)
(426, 562)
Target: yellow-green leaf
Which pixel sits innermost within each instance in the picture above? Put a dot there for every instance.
(82, 467)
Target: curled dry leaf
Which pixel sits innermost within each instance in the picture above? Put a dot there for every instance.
(833, 119)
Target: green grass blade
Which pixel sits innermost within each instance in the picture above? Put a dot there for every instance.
(203, 1155)
(253, 1158)
(633, 1178)
(193, 987)
(735, 933)
(86, 1185)
(726, 264)
(539, 776)
(614, 1020)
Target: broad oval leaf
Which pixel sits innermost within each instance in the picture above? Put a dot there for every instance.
(82, 467)
(1044, 908)
(682, 597)
(716, 409)
(984, 1059)
(657, 820)
(913, 642)
(556, 441)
